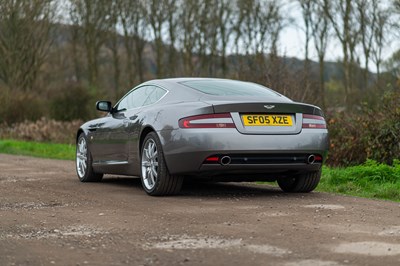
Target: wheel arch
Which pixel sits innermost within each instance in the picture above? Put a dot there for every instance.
(146, 130)
(78, 133)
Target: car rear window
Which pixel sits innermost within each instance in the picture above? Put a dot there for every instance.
(229, 87)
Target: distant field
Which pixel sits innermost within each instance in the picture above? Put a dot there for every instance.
(369, 180)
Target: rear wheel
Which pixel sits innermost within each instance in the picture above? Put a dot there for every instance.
(302, 183)
(156, 179)
(84, 167)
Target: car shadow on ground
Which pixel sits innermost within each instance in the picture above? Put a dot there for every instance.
(213, 189)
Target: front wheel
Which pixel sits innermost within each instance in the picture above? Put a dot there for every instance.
(303, 183)
(84, 167)
(156, 179)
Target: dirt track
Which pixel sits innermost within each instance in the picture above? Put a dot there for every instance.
(47, 217)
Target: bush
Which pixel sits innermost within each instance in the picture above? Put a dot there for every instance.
(44, 130)
(17, 106)
(372, 133)
(74, 102)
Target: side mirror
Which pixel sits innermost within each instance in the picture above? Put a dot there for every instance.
(104, 106)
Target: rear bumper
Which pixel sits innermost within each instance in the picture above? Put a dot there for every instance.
(186, 149)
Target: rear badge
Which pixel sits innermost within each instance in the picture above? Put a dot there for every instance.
(269, 107)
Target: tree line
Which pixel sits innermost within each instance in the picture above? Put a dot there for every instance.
(110, 45)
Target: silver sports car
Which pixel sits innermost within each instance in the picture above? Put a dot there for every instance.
(217, 129)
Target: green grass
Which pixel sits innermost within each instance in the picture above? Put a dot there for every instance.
(38, 149)
(369, 180)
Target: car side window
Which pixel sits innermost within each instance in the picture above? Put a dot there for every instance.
(136, 98)
(156, 95)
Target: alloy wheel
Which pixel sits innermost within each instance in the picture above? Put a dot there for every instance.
(150, 164)
(81, 157)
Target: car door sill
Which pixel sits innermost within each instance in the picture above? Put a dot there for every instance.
(113, 162)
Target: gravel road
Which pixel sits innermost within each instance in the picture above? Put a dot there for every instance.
(47, 217)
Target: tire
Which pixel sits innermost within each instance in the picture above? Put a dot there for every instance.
(84, 167)
(155, 177)
(303, 183)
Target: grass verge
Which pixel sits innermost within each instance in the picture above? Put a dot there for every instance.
(369, 180)
(38, 149)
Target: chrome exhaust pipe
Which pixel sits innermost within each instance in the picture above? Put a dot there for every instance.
(225, 160)
(311, 159)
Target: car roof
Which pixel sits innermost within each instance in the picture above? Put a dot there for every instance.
(183, 92)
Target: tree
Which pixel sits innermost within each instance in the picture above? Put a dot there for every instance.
(25, 28)
(341, 14)
(112, 44)
(172, 13)
(224, 22)
(258, 26)
(306, 8)
(207, 39)
(393, 66)
(190, 33)
(157, 20)
(367, 17)
(380, 38)
(93, 19)
(133, 16)
(320, 32)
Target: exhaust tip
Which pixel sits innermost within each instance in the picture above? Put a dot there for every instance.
(225, 160)
(311, 159)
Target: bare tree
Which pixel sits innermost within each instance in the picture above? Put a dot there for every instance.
(248, 28)
(393, 66)
(224, 21)
(24, 40)
(306, 9)
(112, 44)
(75, 44)
(93, 19)
(157, 20)
(172, 13)
(207, 40)
(190, 33)
(367, 17)
(258, 27)
(341, 14)
(133, 16)
(320, 32)
(380, 38)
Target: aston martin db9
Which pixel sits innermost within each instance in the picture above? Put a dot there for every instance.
(168, 130)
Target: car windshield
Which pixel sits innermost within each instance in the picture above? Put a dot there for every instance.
(229, 87)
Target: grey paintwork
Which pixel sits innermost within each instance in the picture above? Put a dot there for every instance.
(115, 140)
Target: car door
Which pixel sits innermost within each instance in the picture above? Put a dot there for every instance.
(151, 95)
(123, 126)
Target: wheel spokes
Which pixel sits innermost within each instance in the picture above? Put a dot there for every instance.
(81, 157)
(150, 164)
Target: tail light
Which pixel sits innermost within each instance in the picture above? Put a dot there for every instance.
(313, 121)
(207, 121)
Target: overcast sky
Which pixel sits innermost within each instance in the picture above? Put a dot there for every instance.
(292, 40)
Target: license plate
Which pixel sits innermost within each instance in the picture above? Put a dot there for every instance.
(267, 120)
